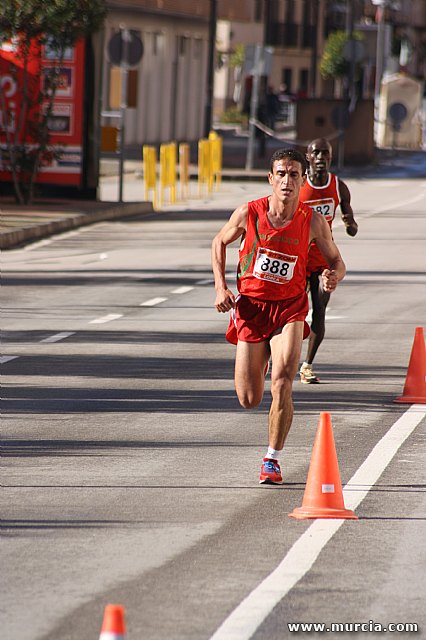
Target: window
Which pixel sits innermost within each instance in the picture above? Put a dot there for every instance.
(183, 45)
(286, 78)
(157, 43)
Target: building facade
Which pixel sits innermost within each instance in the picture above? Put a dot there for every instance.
(167, 89)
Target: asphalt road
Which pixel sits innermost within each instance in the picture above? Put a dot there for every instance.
(130, 473)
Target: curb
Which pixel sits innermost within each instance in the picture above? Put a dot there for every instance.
(38, 231)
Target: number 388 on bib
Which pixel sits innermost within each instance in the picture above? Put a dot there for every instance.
(274, 266)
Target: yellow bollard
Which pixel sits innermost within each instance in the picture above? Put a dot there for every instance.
(168, 171)
(184, 170)
(216, 157)
(150, 172)
(205, 175)
(172, 151)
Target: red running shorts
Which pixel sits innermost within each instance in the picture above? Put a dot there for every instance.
(254, 320)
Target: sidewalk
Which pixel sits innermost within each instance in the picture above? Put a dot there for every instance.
(20, 225)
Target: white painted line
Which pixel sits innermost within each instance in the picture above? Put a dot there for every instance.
(327, 317)
(108, 318)
(4, 359)
(182, 289)
(58, 336)
(208, 281)
(152, 302)
(60, 236)
(242, 623)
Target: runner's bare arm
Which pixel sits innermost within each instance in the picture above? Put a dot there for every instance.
(346, 209)
(321, 233)
(233, 229)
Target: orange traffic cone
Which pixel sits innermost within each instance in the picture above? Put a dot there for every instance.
(323, 497)
(415, 382)
(113, 626)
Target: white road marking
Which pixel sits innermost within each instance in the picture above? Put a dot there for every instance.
(207, 281)
(59, 236)
(152, 302)
(242, 623)
(4, 359)
(58, 336)
(108, 318)
(182, 290)
(327, 317)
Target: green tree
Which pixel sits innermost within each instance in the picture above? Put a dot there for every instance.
(31, 24)
(333, 64)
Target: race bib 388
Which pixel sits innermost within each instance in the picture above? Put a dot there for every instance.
(274, 266)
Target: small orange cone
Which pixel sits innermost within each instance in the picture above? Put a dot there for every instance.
(113, 626)
(323, 497)
(415, 382)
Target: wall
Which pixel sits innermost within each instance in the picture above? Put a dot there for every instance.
(315, 120)
(170, 82)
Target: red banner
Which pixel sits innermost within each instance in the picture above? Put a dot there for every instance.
(66, 120)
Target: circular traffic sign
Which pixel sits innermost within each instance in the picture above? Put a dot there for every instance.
(397, 113)
(125, 48)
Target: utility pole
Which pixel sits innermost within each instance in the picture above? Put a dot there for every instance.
(210, 68)
(314, 58)
(350, 80)
(380, 18)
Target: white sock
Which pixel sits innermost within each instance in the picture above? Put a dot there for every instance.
(273, 454)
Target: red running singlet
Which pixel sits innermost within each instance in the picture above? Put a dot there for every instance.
(325, 201)
(272, 262)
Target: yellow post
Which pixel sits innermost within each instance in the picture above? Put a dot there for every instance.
(184, 170)
(172, 161)
(168, 171)
(150, 172)
(163, 171)
(204, 165)
(216, 157)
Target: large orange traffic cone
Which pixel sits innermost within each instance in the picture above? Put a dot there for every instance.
(415, 382)
(323, 497)
(113, 626)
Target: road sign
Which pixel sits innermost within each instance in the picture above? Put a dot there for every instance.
(354, 50)
(397, 114)
(125, 48)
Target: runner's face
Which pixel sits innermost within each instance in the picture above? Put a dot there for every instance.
(286, 180)
(319, 158)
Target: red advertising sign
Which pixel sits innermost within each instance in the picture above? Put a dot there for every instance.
(66, 120)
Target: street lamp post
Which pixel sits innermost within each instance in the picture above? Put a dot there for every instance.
(210, 68)
(381, 4)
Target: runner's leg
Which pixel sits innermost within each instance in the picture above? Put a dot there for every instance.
(319, 299)
(250, 362)
(285, 349)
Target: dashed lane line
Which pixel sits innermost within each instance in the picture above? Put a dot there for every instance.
(4, 359)
(107, 318)
(152, 302)
(185, 289)
(58, 336)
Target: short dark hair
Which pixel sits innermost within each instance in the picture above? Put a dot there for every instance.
(290, 154)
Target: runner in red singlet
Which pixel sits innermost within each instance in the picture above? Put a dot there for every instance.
(268, 315)
(324, 192)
